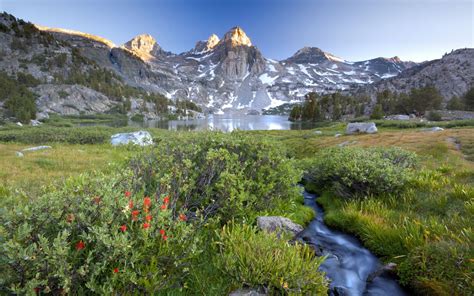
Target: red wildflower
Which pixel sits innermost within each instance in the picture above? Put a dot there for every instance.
(146, 225)
(135, 214)
(70, 218)
(166, 200)
(123, 228)
(183, 217)
(130, 204)
(162, 231)
(80, 245)
(116, 270)
(163, 207)
(148, 218)
(128, 194)
(146, 202)
(97, 200)
(164, 237)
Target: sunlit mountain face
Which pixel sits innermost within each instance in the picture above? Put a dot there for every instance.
(231, 74)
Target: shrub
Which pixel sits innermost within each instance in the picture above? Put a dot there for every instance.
(63, 94)
(434, 116)
(38, 135)
(229, 175)
(94, 237)
(137, 117)
(377, 113)
(358, 171)
(259, 259)
(436, 268)
(21, 104)
(455, 104)
(17, 44)
(4, 28)
(468, 99)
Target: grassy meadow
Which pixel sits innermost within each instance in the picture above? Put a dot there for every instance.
(221, 183)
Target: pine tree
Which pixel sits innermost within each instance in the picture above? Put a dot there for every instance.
(469, 99)
(377, 113)
(455, 104)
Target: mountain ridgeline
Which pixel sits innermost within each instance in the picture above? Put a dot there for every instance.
(79, 73)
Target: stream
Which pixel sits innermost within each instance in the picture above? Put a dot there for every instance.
(348, 263)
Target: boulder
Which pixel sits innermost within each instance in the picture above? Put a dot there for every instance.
(278, 224)
(434, 129)
(318, 132)
(338, 291)
(34, 122)
(246, 292)
(142, 138)
(388, 269)
(19, 123)
(337, 135)
(19, 154)
(398, 117)
(361, 127)
(36, 148)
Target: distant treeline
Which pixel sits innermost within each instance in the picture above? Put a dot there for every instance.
(17, 99)
(419, 101)
(328, 107)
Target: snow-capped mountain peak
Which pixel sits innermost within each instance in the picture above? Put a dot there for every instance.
(237, 37)
(212, 41)
(232, 75)
(312, 55)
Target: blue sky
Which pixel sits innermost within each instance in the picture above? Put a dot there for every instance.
(355, 30)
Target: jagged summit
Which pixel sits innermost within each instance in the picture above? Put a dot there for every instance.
(221, 74)
(237, 37)
(395, 59)
(212, 41)
(312, 55)
(144, 45)
(206, 45)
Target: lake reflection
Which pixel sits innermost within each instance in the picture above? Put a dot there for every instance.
(226, 123)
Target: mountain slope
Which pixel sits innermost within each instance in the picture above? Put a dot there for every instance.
(220, 75)
(452, 75)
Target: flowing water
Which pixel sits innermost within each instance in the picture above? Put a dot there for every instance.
(348, 263)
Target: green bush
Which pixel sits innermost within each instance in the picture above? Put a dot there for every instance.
(358, 171)
(455, 104)
(468, 99)
(21, 104)
(92, 236)
(38, 135)
(137, 117)
(259, 259)
(434, 116)
(229, 175)
(405, 124)
(63, 94)
(377, 113)
(437, 267)
(19, 100)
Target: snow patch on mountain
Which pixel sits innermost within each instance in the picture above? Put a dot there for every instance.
(266, 79)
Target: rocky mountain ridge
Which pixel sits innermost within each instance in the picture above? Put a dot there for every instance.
(221, 75)
(452, 75)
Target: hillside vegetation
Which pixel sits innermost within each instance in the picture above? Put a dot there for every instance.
(417, 214)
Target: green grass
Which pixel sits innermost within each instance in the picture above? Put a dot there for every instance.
(38, 168)
(427, 229)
